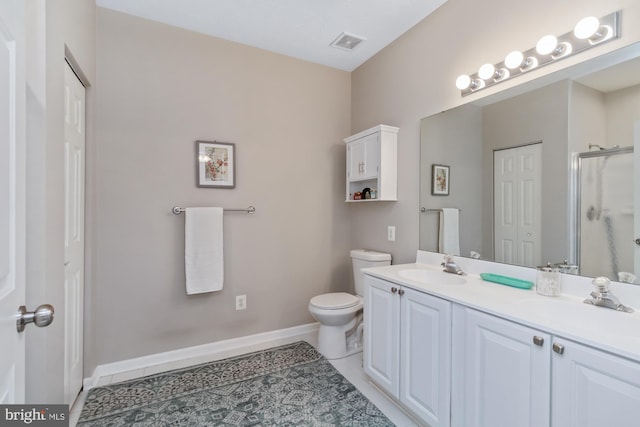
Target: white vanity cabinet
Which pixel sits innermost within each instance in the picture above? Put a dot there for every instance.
(500, 372)
(507, 374)
(372, 163)
(592, 388)
(407, 346)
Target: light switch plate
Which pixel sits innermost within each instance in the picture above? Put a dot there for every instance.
(391, 233)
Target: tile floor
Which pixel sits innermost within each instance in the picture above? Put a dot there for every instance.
(350, 367)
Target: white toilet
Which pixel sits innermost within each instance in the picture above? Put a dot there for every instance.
(340, 313)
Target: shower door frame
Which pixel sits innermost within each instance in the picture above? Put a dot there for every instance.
(575, 198)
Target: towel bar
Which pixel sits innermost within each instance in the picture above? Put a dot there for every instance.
(423, 210)
(250, 210)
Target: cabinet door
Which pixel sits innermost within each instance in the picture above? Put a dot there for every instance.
(506, 376)
(425, 367)
(371, 156)
(592, 388)
(355, 162)
(382, 333)
(363, 158)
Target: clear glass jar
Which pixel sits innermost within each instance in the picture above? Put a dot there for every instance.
(549, 281)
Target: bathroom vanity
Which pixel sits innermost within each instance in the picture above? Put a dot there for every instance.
(459, 351)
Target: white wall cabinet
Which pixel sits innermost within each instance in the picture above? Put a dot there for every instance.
(407, 348)
(372, 163)
(506, 374)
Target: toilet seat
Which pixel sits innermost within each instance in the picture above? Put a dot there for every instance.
(334, 301)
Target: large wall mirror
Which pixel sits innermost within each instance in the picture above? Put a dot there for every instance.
(544, 172)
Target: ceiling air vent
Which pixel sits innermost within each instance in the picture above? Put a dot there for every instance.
(347, 41)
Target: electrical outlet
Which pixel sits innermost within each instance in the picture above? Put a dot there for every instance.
(391, 233)
(241, 302)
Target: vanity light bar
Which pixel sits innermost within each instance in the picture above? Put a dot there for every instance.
(589, 32)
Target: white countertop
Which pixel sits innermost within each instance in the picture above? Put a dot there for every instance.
(565, 316)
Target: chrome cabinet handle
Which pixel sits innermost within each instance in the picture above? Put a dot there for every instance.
(394, 290)
(43, 316)
(401, 292)
(558, 348)
(538, 340)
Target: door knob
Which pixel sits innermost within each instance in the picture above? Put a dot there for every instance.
(43, 316)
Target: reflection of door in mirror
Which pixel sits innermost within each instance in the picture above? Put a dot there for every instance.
(517, 205)
(606, 207)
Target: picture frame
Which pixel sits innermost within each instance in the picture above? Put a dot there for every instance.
(440, 180)
(216, 164)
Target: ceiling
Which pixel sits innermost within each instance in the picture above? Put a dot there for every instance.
(618, 77)
(302, 29)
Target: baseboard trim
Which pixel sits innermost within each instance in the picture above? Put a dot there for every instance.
(154, 363)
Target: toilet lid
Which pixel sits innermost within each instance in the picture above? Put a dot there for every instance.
(335, 300)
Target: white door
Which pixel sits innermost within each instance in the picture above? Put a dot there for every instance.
(425, 344)
(592, 388)
(74, 151)
(517, 205)
(12, 199)
(382, 334)
(506, 373)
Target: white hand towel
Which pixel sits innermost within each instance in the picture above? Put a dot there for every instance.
(203, 250)
(449, 239)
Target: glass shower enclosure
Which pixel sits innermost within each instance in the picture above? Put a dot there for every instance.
(603, 216)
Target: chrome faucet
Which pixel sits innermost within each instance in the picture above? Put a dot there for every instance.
(603, 298)
(449, 266)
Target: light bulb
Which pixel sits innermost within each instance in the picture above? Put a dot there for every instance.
(546, 45)
(463, 82)
(514, 59)
(486, 71)
(586, 27)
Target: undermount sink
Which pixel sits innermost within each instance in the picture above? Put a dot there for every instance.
(431, 277)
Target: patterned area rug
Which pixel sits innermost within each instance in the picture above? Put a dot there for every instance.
(291, 385)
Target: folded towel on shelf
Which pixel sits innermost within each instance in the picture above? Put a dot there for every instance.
(203, 250)
(449, 239)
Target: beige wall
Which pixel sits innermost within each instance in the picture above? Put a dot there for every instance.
(453, 138)
(414, 77)
(55, 30)
(161, 89)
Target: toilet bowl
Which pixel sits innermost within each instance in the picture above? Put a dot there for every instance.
(340, 313)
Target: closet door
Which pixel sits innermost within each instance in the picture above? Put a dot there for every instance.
(517, 176)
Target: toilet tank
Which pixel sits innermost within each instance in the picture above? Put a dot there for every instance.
(364, 258)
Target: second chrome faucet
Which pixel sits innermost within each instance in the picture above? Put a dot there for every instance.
(602, 297)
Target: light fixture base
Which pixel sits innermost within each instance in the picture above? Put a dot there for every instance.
(567, 45)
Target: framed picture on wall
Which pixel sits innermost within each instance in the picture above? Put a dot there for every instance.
(439, 180)
(216, 164)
